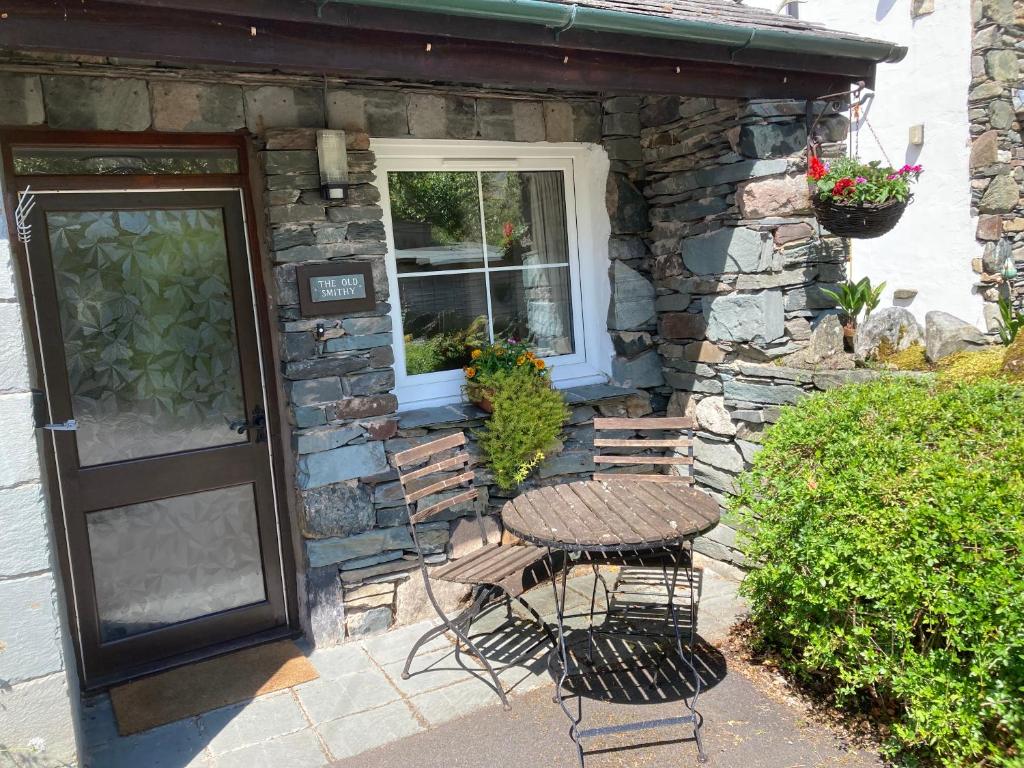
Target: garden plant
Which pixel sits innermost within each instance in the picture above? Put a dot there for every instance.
(887, 524)
(527, 413)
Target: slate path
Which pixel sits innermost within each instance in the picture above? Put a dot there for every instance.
(361, 714)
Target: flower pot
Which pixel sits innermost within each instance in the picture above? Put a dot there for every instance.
(849, 331)
(481, 398)
(859, 220)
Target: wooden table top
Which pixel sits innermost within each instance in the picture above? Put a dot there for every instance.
(605, 515)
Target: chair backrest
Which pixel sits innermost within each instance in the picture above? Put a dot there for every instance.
(436, 468)
(636, 450)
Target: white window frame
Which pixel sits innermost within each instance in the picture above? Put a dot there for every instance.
(585, 171)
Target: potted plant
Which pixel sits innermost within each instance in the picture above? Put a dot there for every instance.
(859, 200)
(852, 299)
(512, 239)
(512, 384)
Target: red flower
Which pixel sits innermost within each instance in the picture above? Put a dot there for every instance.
(842, 186)
(508, 229)
(816, 169)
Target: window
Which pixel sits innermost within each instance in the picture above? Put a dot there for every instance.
(484, 244)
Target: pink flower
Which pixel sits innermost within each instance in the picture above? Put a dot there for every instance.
(861, 180)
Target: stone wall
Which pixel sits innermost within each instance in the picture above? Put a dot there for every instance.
(738, 264)
(713, 260)
(996, 101)
(36, 711)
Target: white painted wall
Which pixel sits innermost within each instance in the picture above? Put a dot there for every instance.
(38, 685)
(932, 247)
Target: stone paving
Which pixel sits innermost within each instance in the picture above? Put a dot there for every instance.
(360, 701)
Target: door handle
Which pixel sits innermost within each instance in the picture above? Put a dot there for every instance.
(71, 425)
(257, 422)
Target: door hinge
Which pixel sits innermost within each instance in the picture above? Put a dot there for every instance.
(65, 426)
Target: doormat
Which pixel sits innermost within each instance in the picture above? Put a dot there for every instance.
(205, 685)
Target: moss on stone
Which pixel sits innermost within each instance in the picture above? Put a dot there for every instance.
(974, 366)
(910, 359)
(1013, 361)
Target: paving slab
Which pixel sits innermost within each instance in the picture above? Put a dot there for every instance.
(296, 749)
(242, 725)
(394, 646)
(445, 704)
(324, 700)
(176, 745)
(356, 734)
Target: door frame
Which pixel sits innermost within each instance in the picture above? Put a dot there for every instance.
(240, 182)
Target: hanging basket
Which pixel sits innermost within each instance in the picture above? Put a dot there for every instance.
(862, 221)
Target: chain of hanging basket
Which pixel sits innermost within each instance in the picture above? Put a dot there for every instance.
(854, 220)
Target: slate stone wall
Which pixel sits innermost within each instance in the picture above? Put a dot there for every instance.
(738, 265)
(996, 101)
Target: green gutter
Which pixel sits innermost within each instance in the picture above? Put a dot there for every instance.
(560, 16)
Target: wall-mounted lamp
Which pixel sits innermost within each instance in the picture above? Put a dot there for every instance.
(333, 157)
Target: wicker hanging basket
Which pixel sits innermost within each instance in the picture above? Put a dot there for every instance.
(862, 221)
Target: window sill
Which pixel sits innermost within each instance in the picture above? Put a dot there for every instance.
(461, 412)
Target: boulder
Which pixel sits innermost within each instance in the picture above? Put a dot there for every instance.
(824, 348)
(781, 196)
(894, 328)
(945, 334)
(713, 417)
(1014, 360)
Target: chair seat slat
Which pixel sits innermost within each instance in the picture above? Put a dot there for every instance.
(441, 485)
(671, 460)
(429, 449)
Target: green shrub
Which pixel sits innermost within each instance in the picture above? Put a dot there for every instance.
(527, 420)
(888, 519)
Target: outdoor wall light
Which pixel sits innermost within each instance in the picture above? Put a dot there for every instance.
(333, 157)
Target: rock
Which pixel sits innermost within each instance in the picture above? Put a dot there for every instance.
(681, 404)
(640, 372)
(770, 140)
(280, 106)
(946, 334)
(733, 249)
(893, 328)
(197, 107)
(703, 352)
(985, 150)
(1002, 65)
(720, 455)
(682, 325)
(313, 391)
(1013, 362)
(989, 227)
(323, 552)
(996, 255)
(712, 416)
(745, 317)
(1001, 196)
(345, 463)
(342, 509)
(631, 343)
(325, 439)
(632, 300)
(787, 233)
(466, 536)
(326, 606)
(1001, 115)
(747, 392)
(370, 622)
(21, 99)
(782, 196)
(826, 343)
(96, 103)
(627, 207)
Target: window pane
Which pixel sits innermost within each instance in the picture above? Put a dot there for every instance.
(443, 318)
(98, 161)
(149, 330)
(435, 216)
(535, 305)
(525, 215)
(162, 562)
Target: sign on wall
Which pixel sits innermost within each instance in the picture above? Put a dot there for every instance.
(335, 289)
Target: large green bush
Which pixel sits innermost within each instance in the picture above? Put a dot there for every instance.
(888, 520)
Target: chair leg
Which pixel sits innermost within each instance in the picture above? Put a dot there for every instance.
(537, 617)
(427, 636)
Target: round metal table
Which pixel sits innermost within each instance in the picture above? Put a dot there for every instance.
(628, 517)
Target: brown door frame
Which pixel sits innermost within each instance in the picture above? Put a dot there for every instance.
(242, 183)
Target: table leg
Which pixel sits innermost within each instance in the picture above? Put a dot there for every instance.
(563, 652)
